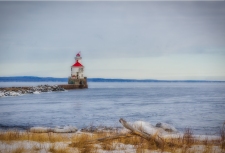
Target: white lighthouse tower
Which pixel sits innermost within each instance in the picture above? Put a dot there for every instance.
(77, 69)
(77, 73)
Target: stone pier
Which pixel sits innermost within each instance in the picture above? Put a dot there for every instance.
(74, 83)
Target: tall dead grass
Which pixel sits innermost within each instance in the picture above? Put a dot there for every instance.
(92, 142)
(81, 142)
(58, 149)
(183, 144)
(39, 137)
(222, 135)
(19, 149)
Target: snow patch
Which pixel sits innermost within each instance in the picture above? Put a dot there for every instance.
(36, 92)
(1, 94)
(12, 93)
(166, 127)
(65, 129)
(207, 137)
(40, 129)
(165, 130)
(145, 127)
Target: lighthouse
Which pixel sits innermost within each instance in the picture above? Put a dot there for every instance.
(77, 73)
(77, 69)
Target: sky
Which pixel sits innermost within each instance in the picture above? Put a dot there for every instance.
(133, 40)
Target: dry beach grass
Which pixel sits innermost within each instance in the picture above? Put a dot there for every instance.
(113, 141)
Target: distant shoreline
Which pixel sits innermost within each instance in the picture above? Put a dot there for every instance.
(52, 79)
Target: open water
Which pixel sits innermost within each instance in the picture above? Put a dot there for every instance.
(200, 106)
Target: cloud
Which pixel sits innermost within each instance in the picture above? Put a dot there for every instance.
(51, 32)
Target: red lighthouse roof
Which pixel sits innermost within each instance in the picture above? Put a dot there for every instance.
(78, 54)
(77, 64)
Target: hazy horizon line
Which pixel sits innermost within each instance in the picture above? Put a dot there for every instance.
(122, 79)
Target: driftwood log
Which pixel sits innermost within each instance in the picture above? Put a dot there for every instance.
(114, 137)
(110, 138)
(158, 140)
(134, 131)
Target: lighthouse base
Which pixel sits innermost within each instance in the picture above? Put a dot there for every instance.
(73, 86)
(74, 83)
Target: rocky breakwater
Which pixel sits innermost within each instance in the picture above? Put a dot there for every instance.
(17, 91)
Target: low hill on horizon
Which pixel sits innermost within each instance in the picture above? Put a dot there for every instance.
(52, 79)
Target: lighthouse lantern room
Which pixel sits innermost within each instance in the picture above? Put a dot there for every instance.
(77, 72)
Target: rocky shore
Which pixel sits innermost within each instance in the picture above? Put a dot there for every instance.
(17, 91)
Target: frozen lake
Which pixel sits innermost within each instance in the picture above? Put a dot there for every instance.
(200, 106)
